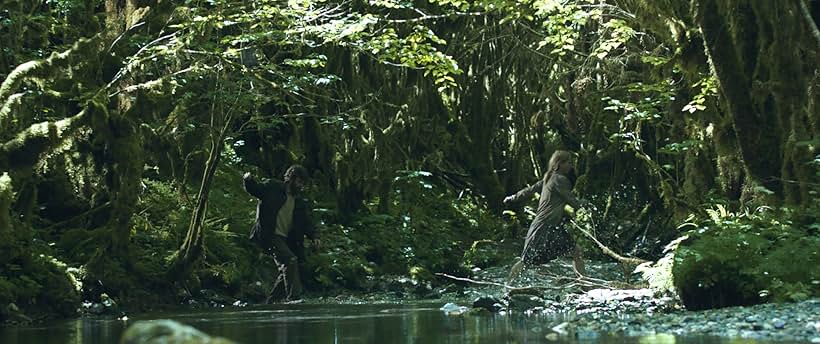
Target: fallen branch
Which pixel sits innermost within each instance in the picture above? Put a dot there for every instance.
(590, 282)
(576, 282)
(509, 288)
(621, 259)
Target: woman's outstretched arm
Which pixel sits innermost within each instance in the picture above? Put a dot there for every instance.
(525, 192)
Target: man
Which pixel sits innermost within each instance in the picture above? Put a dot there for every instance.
(282, 222)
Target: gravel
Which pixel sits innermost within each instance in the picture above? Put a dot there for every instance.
(582, 311)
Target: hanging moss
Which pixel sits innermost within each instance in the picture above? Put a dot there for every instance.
(24, 151)
(40, 68)
(6, 198)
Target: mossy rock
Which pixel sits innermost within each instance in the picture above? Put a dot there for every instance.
(167, 331)
(744, 262)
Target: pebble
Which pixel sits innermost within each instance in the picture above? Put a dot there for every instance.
(778, 324)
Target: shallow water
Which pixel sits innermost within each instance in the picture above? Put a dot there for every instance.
(337, 323)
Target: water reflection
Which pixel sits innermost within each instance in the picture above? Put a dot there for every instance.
(334, 323)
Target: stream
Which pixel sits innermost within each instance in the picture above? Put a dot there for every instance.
(414, 322)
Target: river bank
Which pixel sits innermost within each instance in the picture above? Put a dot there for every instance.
(556, 307)
(571, 310)
(588, 313)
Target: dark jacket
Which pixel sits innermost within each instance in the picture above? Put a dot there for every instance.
(272, 195)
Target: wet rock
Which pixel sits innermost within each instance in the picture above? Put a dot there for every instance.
(489, 303)
(562, 328)
(452, 289)
(422, 289)
(778, 323)
(535, 311)
(254, 292)
(617, 311)
(524, 302)
(107, 305)
(453, 309)
(215, 299)
(167, 332)
(183, 294)
(88, 307)
(14, 314)
(96, 308)
(107, 301)
(435, 294)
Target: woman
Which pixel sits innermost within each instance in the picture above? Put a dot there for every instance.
(547, 238)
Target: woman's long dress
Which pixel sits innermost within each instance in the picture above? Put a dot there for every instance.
(547, 238)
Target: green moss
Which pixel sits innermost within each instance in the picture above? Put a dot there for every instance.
(6, 197)
(743, 259)
(39, 283)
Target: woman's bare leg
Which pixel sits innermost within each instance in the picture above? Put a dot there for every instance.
(515, 270)
(578, 261)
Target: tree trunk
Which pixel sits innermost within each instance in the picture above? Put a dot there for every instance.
(6, 198)
(124, 179)
(764, 56)
(192, 247)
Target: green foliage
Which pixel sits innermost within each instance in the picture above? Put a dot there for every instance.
(747, 257)
(562, 26)
(620, 34)
(707, 89)
(230, 261)
(483, 254)
(429, 230)
(659, 274)
(341, 262)
(66, 7)
(466, 88)
(36, 281)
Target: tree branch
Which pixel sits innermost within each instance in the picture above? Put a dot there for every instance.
(809, 21)
(621, 259)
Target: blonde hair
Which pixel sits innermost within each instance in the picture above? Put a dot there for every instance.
(557, 158)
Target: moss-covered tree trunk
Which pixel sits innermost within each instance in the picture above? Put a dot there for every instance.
(6, 198)
(765, 57)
